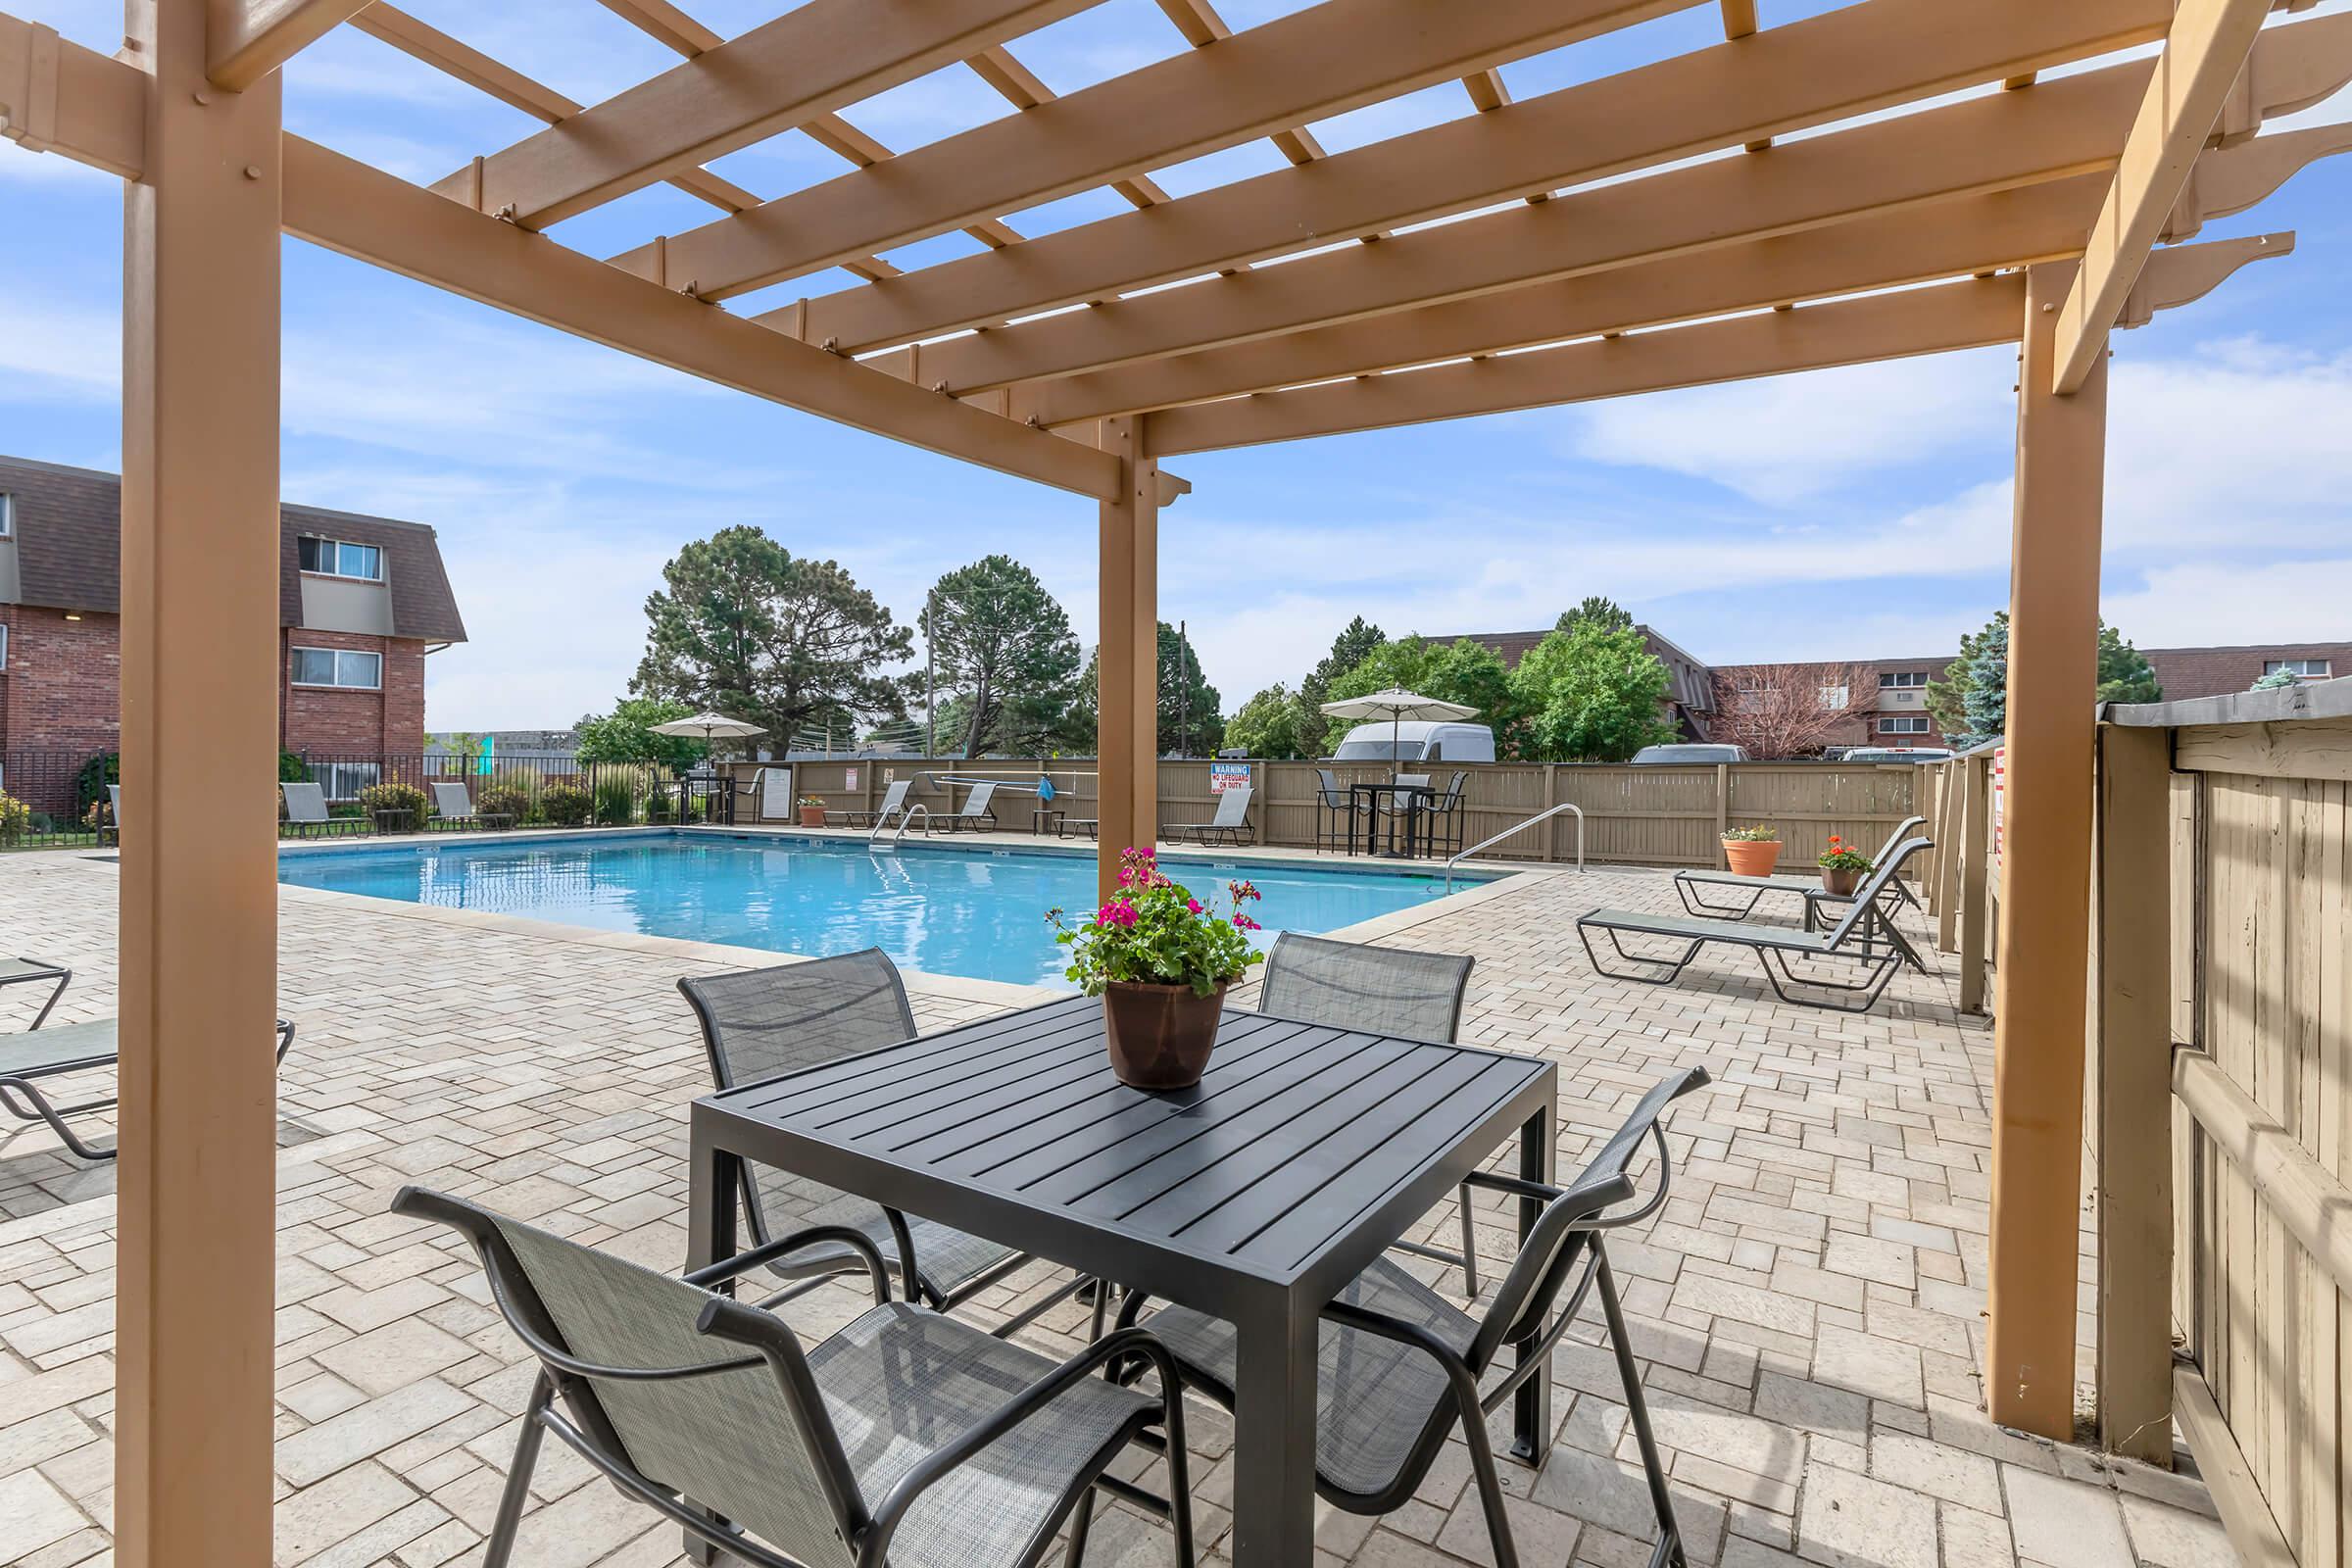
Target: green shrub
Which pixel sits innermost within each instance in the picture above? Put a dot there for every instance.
(565, 805)
(397, 798)
(504, 800)
(89, 785)
(292, 770)
(616, 791)
(16, 821)
(660, 805)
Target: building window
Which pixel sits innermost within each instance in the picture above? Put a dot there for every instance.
(1903, 724)
(1832, 697)
(332, 557)
(1893, 680)
(2308, 668)
(8, 515)
(343, 781)
(3, 646)
(338, 667)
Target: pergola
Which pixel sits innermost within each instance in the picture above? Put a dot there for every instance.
(1775, 202)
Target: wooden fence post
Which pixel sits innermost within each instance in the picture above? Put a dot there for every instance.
(1971, 847)
(1723, 807)
(2133, 996)
(1947, 859)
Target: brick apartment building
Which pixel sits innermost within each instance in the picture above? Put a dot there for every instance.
(1884, 701)
(363, 600)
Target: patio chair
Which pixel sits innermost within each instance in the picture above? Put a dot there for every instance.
(1690, 883)
(306, 812)
(894, 802)
(1399, 1367)
(1380, 990)
(1441, 816)
(1231, 826)
(1399, 806)
(906, 1438)
(975, 815)
(1335, 812)
(762, 1023)
(453, 808)
(70, 1048)
(1857, 940)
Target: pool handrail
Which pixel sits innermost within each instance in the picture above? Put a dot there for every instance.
(1515, 827)
(905, 817)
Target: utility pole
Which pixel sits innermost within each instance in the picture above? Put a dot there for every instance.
(930, 674)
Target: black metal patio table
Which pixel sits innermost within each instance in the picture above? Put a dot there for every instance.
(1302, 1155)
(1411, 810)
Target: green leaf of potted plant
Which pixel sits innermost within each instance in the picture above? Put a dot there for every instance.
(812, 810)
(1160, 959)
(1752, 850)
(1843, 866)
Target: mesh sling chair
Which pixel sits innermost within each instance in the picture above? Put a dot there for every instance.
(1691, 883)
(1444, 817)
(762, 1023)
(1380, 990)
(70, 1048)
(1399, 1367)
(1230, 826)
(1335, 812)
(905, 1439)
(1863, 937)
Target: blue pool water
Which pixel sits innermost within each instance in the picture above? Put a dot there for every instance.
(963, 910)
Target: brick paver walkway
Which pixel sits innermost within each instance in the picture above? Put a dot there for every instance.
(1807, 1307)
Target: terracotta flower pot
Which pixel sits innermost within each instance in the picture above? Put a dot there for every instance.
(1752, 856)
(1842, 883)
(813, 817)
(1159, 1037)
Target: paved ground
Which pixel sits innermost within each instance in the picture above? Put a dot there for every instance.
(1806, 1308)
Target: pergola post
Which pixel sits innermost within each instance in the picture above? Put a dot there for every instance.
(2039, 985)
(1127, 726)
(199, 748)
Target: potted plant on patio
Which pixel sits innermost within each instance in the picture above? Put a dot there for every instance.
(1752, 850)
(1160, 959)
(1843, 866)
(812, 811)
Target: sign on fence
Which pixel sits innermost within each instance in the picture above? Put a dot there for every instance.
(849, 778)
(1223, 776)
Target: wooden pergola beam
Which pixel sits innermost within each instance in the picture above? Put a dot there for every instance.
(349, 207)
(1807, 74)
(2206, 50)
(1975, 235)
(1249, 85)
(819, 57)
(251, 38)
(1901, 324)
(1933, 320)
(58, 97)
(2059, 128)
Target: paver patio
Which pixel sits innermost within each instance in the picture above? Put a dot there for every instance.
(1807, 1307)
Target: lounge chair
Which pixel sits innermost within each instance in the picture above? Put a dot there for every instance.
(1380, 990)
(1689, 883)
(1400, 1368)
(306, 812)
(1443, 815)
(1334, 805)
(894, 804)
(974, 816)
(453, 808)
(906, 1438)
(1231, 826)
(761, 1023)
(67, 1048)
(1070, 827)
(1864, 938)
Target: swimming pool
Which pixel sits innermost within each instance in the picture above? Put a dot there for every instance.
(966, 910)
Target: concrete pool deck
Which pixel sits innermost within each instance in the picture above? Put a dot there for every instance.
(1807, 1307)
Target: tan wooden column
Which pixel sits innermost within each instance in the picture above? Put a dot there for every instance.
(1127, 728)
(199, 878)
(2040, 983)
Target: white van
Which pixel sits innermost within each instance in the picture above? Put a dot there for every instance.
(1416, 741)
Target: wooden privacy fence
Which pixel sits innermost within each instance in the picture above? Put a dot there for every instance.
(1963, 874)
(2222, 1013)
(1633, 815)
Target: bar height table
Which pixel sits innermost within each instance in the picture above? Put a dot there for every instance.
(1256, 1195)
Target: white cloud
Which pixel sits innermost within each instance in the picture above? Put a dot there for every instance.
(2230, 601)
(50, 351)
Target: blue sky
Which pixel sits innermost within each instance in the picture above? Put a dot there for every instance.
(1838, 514)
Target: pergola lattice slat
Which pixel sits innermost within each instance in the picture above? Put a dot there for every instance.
(350, 207)
(250, 38)
(1978, 313)
(820, 57)
(1811, 73)
(1249, 85)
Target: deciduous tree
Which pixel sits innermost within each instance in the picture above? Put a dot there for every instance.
(1777, 711)
(1594, 693)
(1267, 724)
(626, 734)
(1347, 650)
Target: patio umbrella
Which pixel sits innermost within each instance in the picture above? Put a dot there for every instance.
(709, 727)
(1397, 706)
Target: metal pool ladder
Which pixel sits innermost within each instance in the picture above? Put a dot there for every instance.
(1515, 827)
(906, 816)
